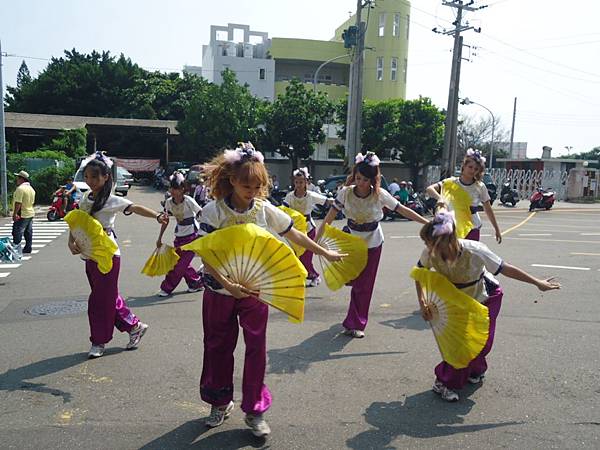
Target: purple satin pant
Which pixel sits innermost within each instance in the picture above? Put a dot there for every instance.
(183, 268)
(307, 257)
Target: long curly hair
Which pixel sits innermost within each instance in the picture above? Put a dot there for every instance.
(219, 172)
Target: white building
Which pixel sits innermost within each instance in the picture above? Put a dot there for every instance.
(243, 51)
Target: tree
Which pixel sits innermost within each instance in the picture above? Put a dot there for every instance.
(477, 134)
(593, 154)
(293, 123)
(23, 75)
(71, 142)
(416, 131)
(218, 116)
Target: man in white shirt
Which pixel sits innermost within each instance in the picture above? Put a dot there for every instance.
(393, 187)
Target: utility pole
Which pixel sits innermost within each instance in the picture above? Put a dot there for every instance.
(512, 129)
(354, 120)
(449, 150)
(3, 181)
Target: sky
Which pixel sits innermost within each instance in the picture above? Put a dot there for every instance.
(544, 52)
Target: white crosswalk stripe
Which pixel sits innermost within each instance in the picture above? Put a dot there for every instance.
(44, 233)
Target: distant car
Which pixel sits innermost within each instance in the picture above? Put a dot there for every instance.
(79, 182)
(122, 186)
(122, 171)
(192, 177)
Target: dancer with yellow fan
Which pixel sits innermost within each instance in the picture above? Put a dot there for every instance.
(362, 201)
(185, 210)
(237, 277)
(463, 329)
(92, 236)
(464, 194)
(303, 200)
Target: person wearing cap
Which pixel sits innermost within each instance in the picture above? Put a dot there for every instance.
(402, 193)
(23, 212)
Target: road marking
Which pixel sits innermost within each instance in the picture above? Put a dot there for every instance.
(9, 266)
(589, 234)
(585, 254)
(41, 241)
(535, 234)
(34, 251)
(38, 245)
(4, 274)
(519, 224)
(26, 258)
(554, 240)
(560, 267)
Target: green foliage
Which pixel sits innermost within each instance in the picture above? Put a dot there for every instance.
(293, 123)
(71, 142)
(23, 75)
(46, 181)
(16, 161)
(593, 154)
(217, 117)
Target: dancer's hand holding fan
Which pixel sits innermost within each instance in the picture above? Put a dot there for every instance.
(338, 273)
(299, 224)
(460, 323)
(162, 260)
(91, 240)
(254, 261)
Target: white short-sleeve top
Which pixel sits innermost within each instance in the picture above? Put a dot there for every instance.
(185, 214)
(221, 214)
(479, 194)
(365, 210)
(106, 216)
(305, 204)
(475, 264)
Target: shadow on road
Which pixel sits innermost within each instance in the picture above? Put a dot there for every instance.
(189, 435)
(319, 347)
(422, 415)
(15, 379)
(152, 300)
(412, 322)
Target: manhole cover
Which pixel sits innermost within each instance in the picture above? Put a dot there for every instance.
(58, 308)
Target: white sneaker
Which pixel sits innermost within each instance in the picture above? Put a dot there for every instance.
(135, 335)
(194, 289)
(218, 414)
(357, 334)
(476, 379)
(313, 282)
(162, 293)
(259, 426)
(96, 351)
(447, 394)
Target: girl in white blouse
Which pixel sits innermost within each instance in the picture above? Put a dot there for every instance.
(362, 201)
(303, 201)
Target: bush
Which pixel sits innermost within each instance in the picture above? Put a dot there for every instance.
(46, 181)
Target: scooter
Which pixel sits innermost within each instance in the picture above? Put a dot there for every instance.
(56, 210)
(508, 194)
(541, 199)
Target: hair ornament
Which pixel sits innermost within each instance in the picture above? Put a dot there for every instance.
(301, 172)
(476, 155)
(370, 158)
(443, 223)
(244, 152)
(100, 156)
(177, 177)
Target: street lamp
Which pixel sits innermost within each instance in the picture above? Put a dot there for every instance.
(316, 77)
(466, 101)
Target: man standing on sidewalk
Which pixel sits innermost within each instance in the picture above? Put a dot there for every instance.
(23, 212)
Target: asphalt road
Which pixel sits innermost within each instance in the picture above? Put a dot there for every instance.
(329, 391)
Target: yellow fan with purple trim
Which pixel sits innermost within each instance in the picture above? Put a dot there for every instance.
(91, 239)
(299, 224)
(338, 273)
(161, 261)
(459, 201)
(251, 256)
(460, 323)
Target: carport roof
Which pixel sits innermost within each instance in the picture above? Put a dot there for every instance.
(57, 122)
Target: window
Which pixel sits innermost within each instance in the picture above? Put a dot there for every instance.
(405, 69)
(379, 68)
(394, 69)
(396, 27)
(381, 24)
(261, 74)
(407, 24)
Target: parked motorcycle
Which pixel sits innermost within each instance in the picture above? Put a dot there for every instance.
(541, 199)
(56, 209)
(508, 194)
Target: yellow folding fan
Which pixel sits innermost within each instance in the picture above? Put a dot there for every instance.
(338, 273)
(458, 201)
(460, 323)
(161, 261)
(299, 224)
(91, 239)
(251, 256)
